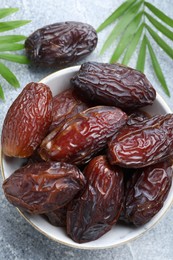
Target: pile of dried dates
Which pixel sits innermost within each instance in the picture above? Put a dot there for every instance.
(94, 157)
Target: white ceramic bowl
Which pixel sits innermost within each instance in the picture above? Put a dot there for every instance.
(119, 234)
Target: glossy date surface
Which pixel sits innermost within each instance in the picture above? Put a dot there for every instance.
(65, 105)
(27, 121)
(143, 144)
(43, 187)
(61, 44)
(146, 192)
(57, 217)
(114, 84)
(82, 136)
(94, 212)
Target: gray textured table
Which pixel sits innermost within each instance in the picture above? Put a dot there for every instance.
(18, 240)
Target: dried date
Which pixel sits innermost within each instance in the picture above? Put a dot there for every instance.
(82, 136)
(148, 144)
(61, 43)
(137, 123)
(137, 116)
(114, 85)
(43, 187)
(146, 192)
(94, 212)
(57, 217)
(27, 121)
(65, 106)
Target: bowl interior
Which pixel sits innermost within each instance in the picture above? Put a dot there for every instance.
(119, 234)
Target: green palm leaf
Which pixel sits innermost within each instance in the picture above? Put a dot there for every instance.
(130, 26)
(1, 93)
(121, 25)
(132, 46)
(160, 41)
(11, 47)
(157, 68)
(8, 75)
(166, 19)
(126, 37)
(142, 56)
(168, 33)
(7, 26)
(116, 14)
(14, 58)
(7, 11)
(8, 44)
(11, 38)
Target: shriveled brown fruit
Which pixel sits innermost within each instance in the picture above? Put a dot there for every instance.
(57, 217)
(43, 187)
(93, 213)
(114, 85)
(143, 143)
(146, 192)
(65, 105)
(81, 137)
(27, 121)
(61, 44)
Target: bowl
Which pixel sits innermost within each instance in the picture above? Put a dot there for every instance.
(119, 234)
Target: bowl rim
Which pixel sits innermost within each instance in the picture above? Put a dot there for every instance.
(81, 246)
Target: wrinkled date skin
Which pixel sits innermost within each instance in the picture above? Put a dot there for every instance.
(94, 212)
(82, 136)
(58, 217)
(43, 187)
(137, 116)
(114, 85)
(146, 192)
(137, 123)
(61, 43)
(27, 121)
(65, 106)
(148, 144)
